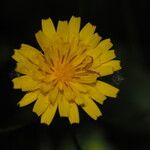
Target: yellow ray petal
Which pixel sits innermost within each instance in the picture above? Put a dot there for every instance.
(42, 40)
(78, 86)
(22, 59)
(47, 46)
(63, 106)
(48, 27)
(102, 47)
(105, 70)
(86, 32)
(24, 66)
(62, 29)
(25, 83)
(28, 98)
(45, 87)
(48, 115)
(22, 69)
(78, 60)
(35, 56)
(79, 99)
(53, 95)
(107, 89)
(109, 67)
(94, 40)
(86, 62)
(95, 94)
(107, 56)
(30, 70)
(17, 56)
(38, 75)
(74, 114)
(91, 108)
(69, 93)
(74, 27)
(30, 52)
(91, 78)
(41, 104)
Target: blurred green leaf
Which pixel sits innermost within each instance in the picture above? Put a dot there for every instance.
(92, 138)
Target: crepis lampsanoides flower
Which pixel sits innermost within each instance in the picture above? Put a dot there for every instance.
(63, 75)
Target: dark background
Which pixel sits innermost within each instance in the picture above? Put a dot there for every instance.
(125, 124)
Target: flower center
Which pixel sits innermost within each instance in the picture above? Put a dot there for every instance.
(63, 72)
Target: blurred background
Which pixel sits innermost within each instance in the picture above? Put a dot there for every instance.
(125, 124)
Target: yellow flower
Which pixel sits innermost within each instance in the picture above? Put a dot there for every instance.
(64, 74)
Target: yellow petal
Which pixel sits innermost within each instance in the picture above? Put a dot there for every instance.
(74, 27)
(28, 98)
(79, 100)
(95, 94)
(41, 104)
(34, 56)
(25, 83)
(105, 70)
(109, 68)
(29, 51)
(48, 27)
(87, 62)
(86, 32)
(78, 58)
(29, 69)
(107, 89)
(94, 40)
(62, 29)
(115, 64)
(22, 69)
(31, 54)
(47, 46)
(91, 78)
(38, 75)
(78, 86)
(69, 93)
(18, 56)
(74, 114)
(53, 95)
(91, 108)
(45, 87)
(43, 41)
(48, 115)
(102, 47)
(24, 61)
(107, 56)
(63, 106)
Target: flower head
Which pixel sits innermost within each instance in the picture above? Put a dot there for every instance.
(64, 74)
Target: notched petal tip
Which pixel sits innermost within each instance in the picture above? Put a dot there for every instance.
(28, 98)
(75, 123)
(48, 115)
(45, 123)
(75, 17)
(74, 117)
(117, 92)
(107, 89)
(48, 27)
